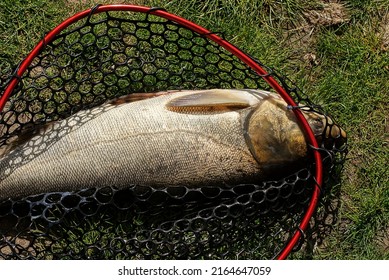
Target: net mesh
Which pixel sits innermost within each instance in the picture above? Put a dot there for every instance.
(116, 53)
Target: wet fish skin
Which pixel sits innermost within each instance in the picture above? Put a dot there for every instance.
(184, 138)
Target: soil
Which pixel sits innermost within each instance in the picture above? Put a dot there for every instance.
(383, 240)
(303, 36)
(385, 33)
(21, 245)
(330, 15)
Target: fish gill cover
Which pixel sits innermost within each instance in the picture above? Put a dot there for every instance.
(111, 53)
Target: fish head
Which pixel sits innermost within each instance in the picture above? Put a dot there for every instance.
(276, 140)
(328, 134)
(274, 136)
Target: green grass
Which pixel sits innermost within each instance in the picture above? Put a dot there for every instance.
(349, 78)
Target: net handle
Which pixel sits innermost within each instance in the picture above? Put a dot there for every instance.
(49, 37)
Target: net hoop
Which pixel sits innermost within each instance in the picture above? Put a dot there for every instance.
(249, 61)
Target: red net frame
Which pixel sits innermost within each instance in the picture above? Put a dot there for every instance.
(229, 47)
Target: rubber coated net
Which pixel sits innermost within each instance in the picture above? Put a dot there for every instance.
(116, 53)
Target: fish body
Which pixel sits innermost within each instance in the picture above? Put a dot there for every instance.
(186, 138)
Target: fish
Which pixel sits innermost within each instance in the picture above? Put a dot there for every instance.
(175, 138)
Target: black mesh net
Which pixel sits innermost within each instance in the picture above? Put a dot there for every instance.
(116, 53)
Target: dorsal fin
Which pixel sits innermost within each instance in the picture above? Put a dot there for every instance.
(24, 136)
(216, 100)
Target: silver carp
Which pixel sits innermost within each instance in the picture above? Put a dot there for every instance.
(189, 138)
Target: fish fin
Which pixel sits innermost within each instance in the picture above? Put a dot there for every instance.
(139, 96)
(216, 100)
(24, 136)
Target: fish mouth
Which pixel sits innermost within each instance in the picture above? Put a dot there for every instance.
(333, 136)
(329, 135)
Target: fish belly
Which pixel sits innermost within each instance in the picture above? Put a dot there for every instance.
(132, 143)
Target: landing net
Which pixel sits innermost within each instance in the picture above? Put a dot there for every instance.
(115, 50)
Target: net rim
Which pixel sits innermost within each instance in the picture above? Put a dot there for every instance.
(50, 36)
